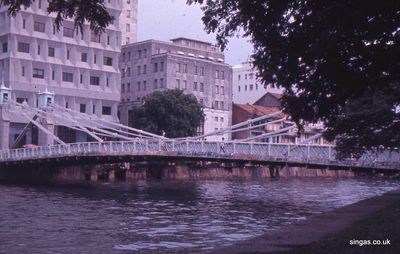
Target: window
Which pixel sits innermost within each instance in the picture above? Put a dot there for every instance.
(53, 75)
(128, 13)
(138, 86)
(245, 76)
(195, 86)
(68, 54)
(94, 109)
(139, 54)
(245, 87)
(39, 27)
(24, 24)
(155, 84)
(185, 68)
(221, 119)
(184, 85)
(216, 118)
(106, 110)
(145, 85)
(94, 37)
(222, 90)
(108, 61)
(161, 83)
(68, 77)
(23, 47)
(38, 73)
(144, 52)
(238, 88)
(21, 100)
(129, 56)
(256, 86)
(94, 81)
(51, 52)
(251, 87)
(178, 84)
(196, 70)
(251, 76)
(238, 77)
(81, 79)
(128, 87)
(221, 105)
(108, 40)
(123, 57)
(216, 89)
(23, 71)
(155, 67)
(162, 66)
(84, 57)
(122, 88)
(217, 74)
(95, 59)
(38, 50)
(178, 67)
(82, 108)
(222, 75)
(68, 32)
(138, 70)
(128, 27)
(5, 47)
(144, 69)
(202, 71)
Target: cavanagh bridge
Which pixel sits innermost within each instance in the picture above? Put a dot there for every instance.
(137, 146)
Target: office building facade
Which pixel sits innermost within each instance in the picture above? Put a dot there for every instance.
(194, 66)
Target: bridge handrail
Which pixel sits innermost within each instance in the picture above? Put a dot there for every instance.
(217, 149)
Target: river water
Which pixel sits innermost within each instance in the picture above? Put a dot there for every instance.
(164, 216)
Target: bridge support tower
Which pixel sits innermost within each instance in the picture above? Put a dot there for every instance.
(5, 94)
(46, 100)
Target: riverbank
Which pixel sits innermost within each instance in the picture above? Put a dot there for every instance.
(377, 218)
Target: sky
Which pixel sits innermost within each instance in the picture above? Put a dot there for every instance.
(168, 19)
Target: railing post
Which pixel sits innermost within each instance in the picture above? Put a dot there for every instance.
(173, 145)
(251, 148)
(269, 149)
(187, 146)
(147, 145)
(329, 152)
(234, 147)
(288, 150)
(308, 152)
(202, 146)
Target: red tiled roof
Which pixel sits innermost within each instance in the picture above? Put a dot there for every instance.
(259, 110)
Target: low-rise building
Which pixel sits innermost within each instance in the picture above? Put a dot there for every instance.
(196, 67)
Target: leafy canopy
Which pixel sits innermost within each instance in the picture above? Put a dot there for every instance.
(169, 112)
(92, 11)
(339, 61)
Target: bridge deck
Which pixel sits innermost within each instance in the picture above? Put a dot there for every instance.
(260, 153)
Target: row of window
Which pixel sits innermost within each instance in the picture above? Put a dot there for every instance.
(66, 31)
(66, 76)
(25, 48)
(106, 110)
(251, 87)
(141, 53)
(250, 76)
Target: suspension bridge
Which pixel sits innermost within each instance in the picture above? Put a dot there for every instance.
(129, 144)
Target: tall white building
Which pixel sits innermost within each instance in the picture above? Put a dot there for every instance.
(247, 88)
(82, 69)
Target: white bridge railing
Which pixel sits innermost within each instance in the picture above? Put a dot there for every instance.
(318, 154)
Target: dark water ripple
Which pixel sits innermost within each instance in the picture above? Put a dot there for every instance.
(164, 217)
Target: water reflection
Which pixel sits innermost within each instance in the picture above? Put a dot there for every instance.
(164, 217)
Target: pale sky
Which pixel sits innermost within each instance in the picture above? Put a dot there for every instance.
(167, 19)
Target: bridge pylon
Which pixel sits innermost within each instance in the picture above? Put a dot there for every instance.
(46, 102)
(5, 95)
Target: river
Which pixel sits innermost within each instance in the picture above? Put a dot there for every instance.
(164, 216)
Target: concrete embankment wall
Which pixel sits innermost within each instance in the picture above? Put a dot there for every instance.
(167, 171)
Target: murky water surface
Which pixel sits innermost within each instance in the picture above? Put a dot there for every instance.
(164, 217)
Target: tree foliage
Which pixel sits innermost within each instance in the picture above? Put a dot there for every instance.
(92, 11)
(339, 61)
(169, 112)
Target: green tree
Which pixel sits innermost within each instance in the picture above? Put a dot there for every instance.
(339, 61)
(92, 11)
(169, 112)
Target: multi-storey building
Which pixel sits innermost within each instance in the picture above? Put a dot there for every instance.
(80, 67)
(194, 66)
(247, 88)
(128, 21)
